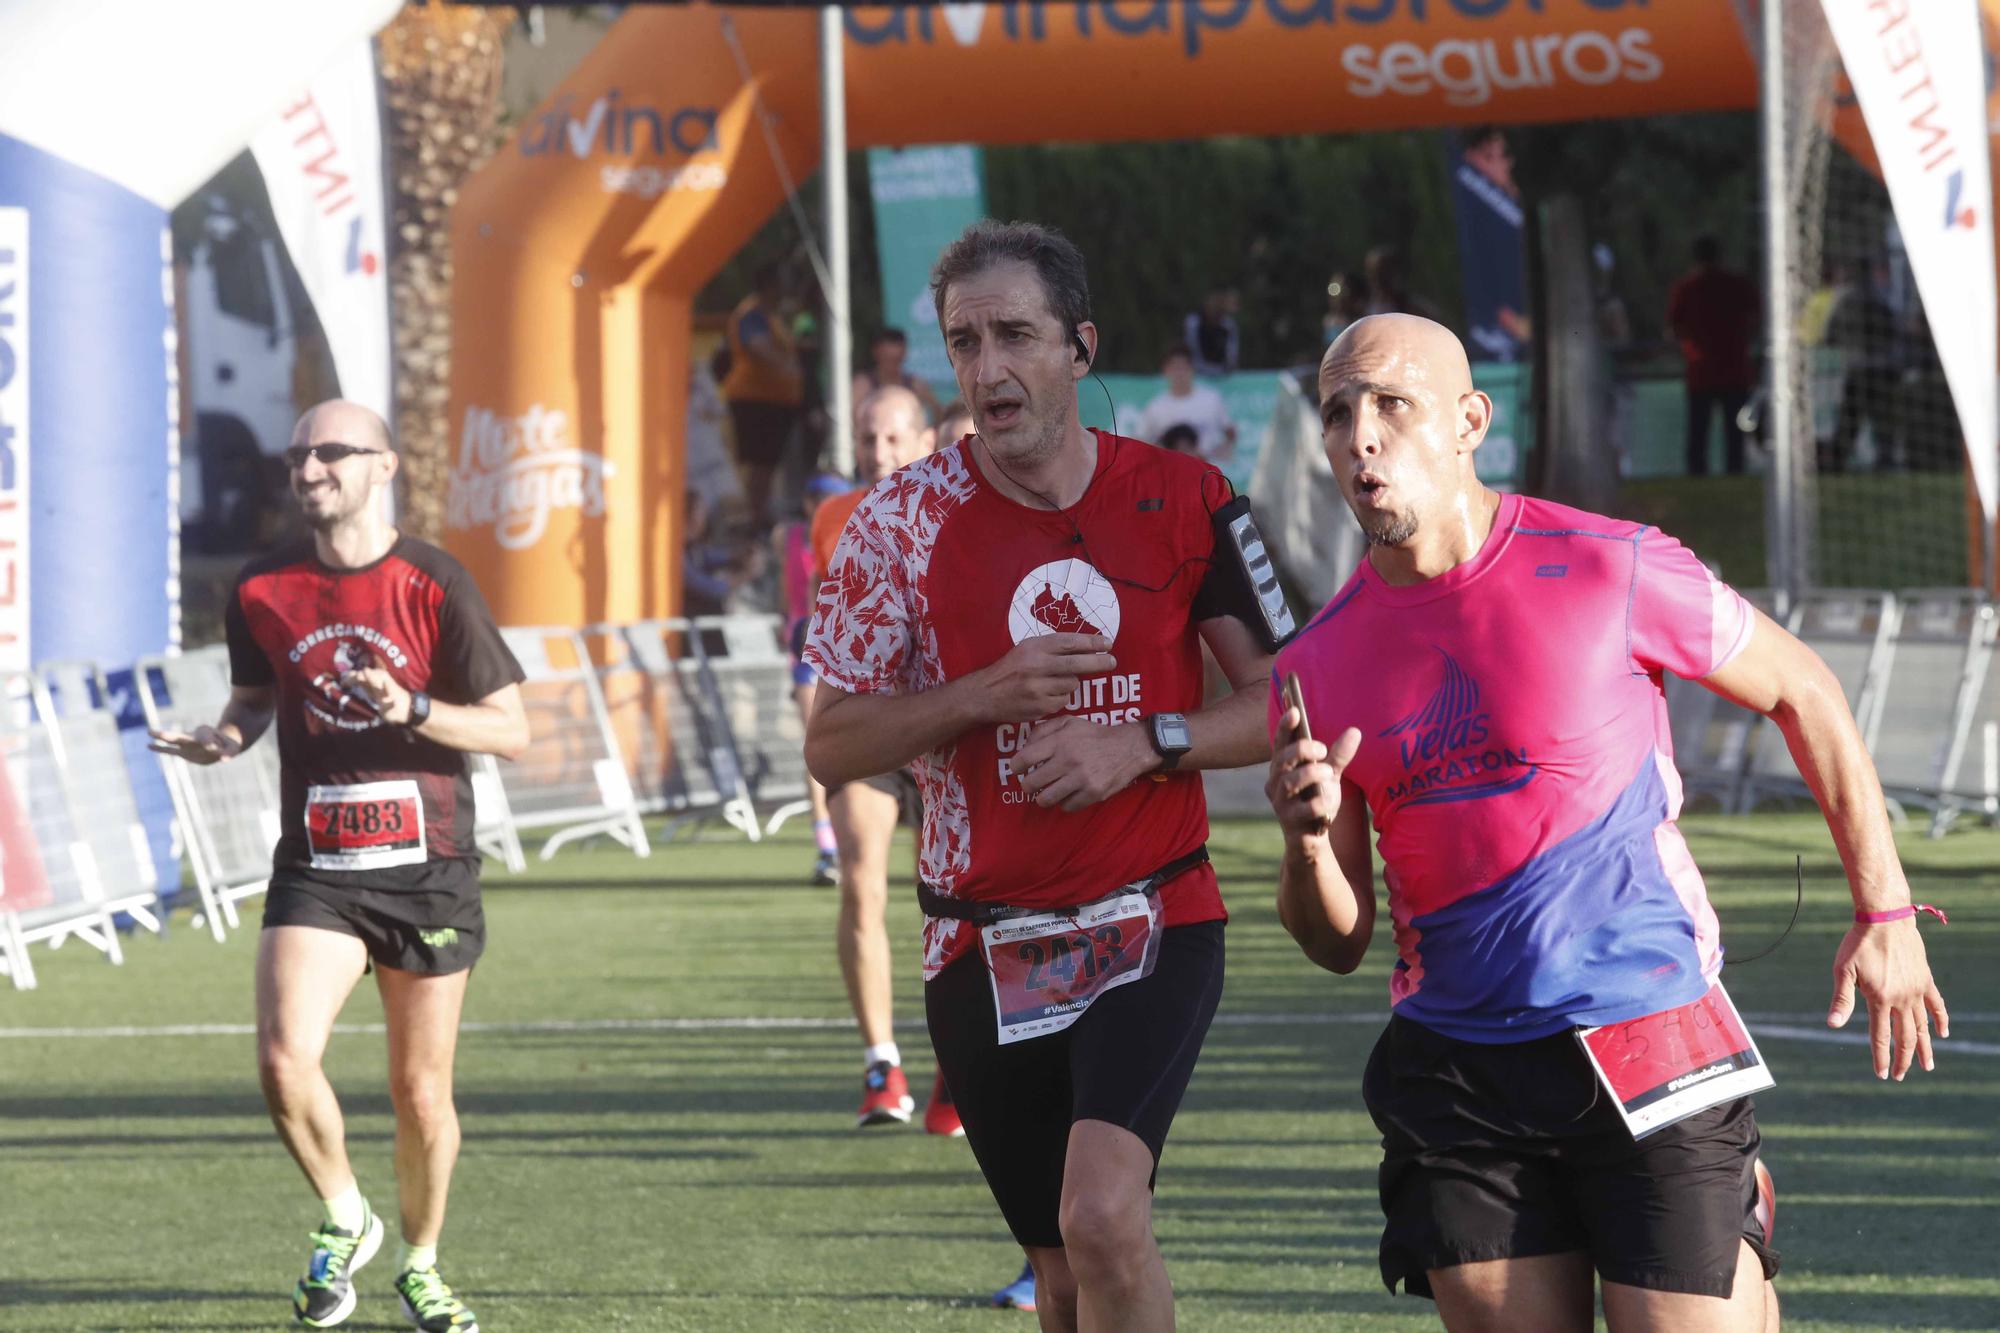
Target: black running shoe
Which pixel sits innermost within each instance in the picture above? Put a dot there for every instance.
(429, 1305)
(325, 1295)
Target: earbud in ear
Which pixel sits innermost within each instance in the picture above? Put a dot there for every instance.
(1082, 348)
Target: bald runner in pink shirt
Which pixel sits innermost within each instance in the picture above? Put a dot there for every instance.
(1486, 697)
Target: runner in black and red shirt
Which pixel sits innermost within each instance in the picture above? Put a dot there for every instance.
(381, 665)
(1020, 618)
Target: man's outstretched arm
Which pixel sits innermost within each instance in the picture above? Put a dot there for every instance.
(1783, 679)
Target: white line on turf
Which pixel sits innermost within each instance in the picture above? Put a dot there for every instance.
(1783, 1027)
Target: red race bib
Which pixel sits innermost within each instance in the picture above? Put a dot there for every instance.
(1049, 967)
(365, 825)
(1668, 1066)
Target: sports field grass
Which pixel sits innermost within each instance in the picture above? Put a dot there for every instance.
(634, 1160)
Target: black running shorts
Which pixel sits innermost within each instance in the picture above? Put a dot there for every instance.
(762, 430)
(1509, 1151)
(430, 932)
(1127, 1061)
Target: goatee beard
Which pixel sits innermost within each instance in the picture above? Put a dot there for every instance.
(1397, 529)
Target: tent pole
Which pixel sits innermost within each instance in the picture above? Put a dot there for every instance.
(1781, 545)
(839, 312)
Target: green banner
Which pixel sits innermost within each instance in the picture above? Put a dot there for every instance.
(924, 197)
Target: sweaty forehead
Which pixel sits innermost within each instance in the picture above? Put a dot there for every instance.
(1348, 368)
(1008, 291)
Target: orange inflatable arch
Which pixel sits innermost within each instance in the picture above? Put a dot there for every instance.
(581, 246)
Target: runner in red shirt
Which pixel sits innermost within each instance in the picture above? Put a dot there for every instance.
(377, 658)
(1020, 617)
(890, 431)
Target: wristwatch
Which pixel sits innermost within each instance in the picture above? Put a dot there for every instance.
(420, 710)
(1169, 733)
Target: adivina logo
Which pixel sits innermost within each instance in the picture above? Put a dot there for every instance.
(616, 129)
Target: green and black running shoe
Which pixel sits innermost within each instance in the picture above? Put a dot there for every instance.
(429, 1305)
(325, 1295)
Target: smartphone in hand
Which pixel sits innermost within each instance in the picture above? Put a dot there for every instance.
(1295, 700)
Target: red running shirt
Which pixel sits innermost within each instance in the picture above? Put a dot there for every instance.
(938, 574)
(297, 624)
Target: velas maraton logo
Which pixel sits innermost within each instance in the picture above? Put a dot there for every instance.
(1063, 597)
(1446, 747)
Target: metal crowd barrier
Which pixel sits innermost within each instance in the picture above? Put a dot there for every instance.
(228, 813)
(1944, 638)
(1854, 632)
(76, 855)
(753, 688)
(683, 757)
(572, 777)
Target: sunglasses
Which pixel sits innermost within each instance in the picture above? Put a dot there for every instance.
(296, 456)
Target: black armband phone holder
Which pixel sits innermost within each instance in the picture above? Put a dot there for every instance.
(1247, 580)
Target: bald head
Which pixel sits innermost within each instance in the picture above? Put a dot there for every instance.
(338, 421)
(890, 431)
(1400, 420)
(340, 461)
(1417, 346)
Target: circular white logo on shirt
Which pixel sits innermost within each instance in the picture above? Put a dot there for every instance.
(1063, 597)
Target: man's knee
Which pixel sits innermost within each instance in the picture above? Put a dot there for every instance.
(423, 1102)
(285, 1069)
(1107, 1235)
(864, 895)
(1055, 1286)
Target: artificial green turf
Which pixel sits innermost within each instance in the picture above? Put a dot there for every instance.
(709, 1179)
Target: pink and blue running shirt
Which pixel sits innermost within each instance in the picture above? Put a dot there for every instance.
(1518, 771)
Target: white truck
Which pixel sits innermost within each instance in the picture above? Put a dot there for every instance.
(242, 333)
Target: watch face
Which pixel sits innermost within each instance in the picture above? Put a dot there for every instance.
(1174, 732)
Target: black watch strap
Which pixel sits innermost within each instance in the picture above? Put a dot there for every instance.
(1170, 754)
(420, 710)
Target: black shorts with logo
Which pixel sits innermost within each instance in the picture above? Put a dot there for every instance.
(1510, 1151)
(429, 931)
(1127, 1061)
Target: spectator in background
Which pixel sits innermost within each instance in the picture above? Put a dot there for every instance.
(1211, 335)
(814, 423)
(1186, 403)
(1180, 438)
(1388, 290)
(1712, 312)
(954, 423)
(716, 567)
(710, 478)
(764, 388)
(886, 353)
(1346, 301)
(1861, 327)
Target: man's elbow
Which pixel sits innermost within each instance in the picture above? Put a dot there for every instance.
(513, 742)
(823, 760)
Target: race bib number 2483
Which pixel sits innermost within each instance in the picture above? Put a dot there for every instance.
(365, 825)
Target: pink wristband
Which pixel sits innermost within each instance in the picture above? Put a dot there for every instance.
(1899, 914)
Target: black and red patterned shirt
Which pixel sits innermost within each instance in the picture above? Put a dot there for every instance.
(297, 623)
(938, 574)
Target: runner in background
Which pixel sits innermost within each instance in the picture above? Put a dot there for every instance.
(890, 431)
(377, 658)
(799, 575)
(1555, 1100)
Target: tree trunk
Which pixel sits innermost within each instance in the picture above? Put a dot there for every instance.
(1578, 462)
(441, 80)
